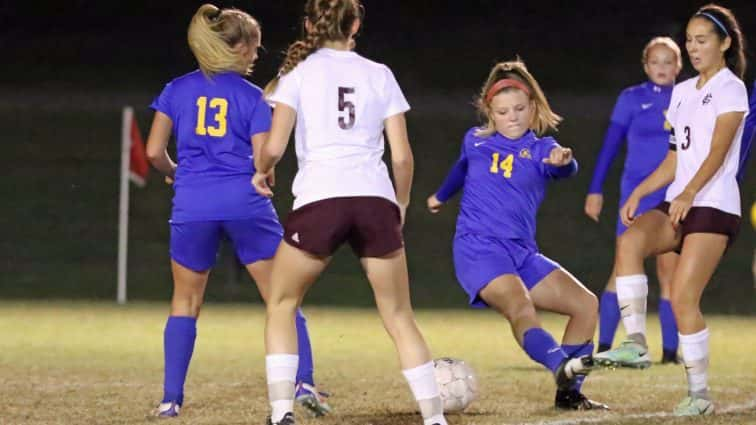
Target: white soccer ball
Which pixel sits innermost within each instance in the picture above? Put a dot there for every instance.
(457, 382)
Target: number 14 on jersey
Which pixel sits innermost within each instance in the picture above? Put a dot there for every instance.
(505, 165)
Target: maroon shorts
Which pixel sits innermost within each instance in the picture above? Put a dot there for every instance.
(371, 225)
(706, 220)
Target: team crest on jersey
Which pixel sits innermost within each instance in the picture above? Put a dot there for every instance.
(525, 153)
(706, 99)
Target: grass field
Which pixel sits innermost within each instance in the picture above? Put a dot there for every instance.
(87, 363)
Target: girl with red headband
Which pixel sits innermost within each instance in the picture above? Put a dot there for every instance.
(503, 171)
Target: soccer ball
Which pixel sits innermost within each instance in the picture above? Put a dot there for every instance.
(457, 382)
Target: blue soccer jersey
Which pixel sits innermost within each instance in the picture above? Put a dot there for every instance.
(504, 184)
(749, 134)
(639, 118)
(214, 120)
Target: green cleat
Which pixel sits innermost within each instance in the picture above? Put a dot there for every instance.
(312, 400)
(694, 406)
(628, 354)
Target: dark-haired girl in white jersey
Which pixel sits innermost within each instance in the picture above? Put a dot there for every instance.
(702, 210)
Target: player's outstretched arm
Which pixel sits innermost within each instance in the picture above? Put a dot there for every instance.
(560, 163)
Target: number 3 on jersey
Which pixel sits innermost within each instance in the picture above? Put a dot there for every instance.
(686, 144)
(505, 165)
(217, 103)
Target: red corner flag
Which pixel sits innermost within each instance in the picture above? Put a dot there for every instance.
(138, 166)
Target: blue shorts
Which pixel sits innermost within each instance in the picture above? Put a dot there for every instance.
(478, 260)
(648, 203)
(194, 244)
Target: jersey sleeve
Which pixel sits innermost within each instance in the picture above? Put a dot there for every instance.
(163, 102)
(613, 139)
(622, 113)
(749, 134)
(288, 89)
(671, 116)
(396, 103)
(732, 97)
(261, 118)
(455, 179)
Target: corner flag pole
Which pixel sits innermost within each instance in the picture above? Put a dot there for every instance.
(123, 208)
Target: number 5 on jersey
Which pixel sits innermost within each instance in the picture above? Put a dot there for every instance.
(217, 103)
(347, 107)
(505, 165)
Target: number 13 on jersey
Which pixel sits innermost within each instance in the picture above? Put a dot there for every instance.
(221, 106)
(505, 165)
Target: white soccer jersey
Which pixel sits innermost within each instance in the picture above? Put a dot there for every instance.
(341, 101)
(693, 113)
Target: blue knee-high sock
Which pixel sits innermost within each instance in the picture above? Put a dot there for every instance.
(609, 317)
(178, 345)
(578, 350)
(542, 348)
(305, 368)
(668, 326)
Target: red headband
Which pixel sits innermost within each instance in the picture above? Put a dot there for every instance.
(502, 84)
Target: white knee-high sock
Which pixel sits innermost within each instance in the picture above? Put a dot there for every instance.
(422, 382)
(695, 353)
(632, 294)
(281, 370)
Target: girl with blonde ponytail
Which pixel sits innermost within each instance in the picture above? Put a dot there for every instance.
(341, 103)
(221, 121)
(504, 169)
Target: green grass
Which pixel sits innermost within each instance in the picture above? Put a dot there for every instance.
(98, 363)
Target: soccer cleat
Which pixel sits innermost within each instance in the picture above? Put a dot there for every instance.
(570, 369)
(575, 400)
(311, 399)
(694, 406)
(288, 419)
(628, 354)
(167, 410)
(670, 357)
(603, 347)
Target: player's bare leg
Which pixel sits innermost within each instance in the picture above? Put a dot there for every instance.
(307, 394)
(701, 253)
(651, 234)
(293, 272)
(390, 281)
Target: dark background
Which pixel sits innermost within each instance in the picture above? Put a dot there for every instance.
(68, 68)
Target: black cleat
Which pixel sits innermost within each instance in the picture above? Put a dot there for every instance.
(575, 400)
(670, 357)
(288, 419)
(570, 369)
(603, 347)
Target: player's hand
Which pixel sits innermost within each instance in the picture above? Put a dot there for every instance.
(627, 212)
(260, 183)
(679, 207)
(169, 180)
(434, 205)
(559, 157)
(594, 202)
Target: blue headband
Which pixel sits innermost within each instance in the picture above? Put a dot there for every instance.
(716, 22)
